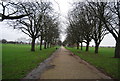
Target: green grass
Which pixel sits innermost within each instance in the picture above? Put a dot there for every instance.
(18, 60)
(0, 61)
(103, 60)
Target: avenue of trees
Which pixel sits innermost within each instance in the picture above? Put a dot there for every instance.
(35, 19)
(92, 21)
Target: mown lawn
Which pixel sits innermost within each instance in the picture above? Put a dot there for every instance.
(103, 60)
(0, 61)
(18, 60)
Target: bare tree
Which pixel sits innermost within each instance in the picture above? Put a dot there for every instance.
(32, 24)
(112, 23)
(87, 25)
(81, 24)
(116, 11)
(51, 30)
(99, 30)
(11, 11)
(109, 14)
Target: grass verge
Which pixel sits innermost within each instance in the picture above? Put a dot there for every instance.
(18, 60)
(103, 60)
(0, 61)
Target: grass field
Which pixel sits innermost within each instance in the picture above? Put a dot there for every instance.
(103, 61)
(0, 61)
(18, 60)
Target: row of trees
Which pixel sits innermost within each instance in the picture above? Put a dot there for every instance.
(93, 20)
(35, 19)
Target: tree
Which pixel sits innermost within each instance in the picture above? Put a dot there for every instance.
(99, 30)
(109, 14)
(41, 39)
(73, 33)
(51, 30)
(113, 24)
(31, 25)
(116, 11)
(4, 41)
(82, 24)
(12, 10)
(87, 24)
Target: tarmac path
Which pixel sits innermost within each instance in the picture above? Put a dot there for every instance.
(68, 66)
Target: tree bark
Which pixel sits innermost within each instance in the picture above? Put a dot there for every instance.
(41, 43)
(45, 45)
(117, 48)
(96, 48)
(87, 46)
(81, 45)
(77, 45)
(13, 17)
(33, 44)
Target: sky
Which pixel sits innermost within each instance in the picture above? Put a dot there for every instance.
(60, 6)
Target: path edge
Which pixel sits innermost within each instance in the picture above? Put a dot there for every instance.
(95, 69)
(36, 72)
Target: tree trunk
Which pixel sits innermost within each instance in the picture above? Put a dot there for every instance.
(81, 45)
(45, 45)
(41, 43)
(96, 48)
(77, 45)
(117, 48)
(87, 46)
(33, 44)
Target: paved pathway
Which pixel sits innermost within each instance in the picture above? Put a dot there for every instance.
(66, 66)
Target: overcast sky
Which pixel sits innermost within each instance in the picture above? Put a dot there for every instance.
(62, 7)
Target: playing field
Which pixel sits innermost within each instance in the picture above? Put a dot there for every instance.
(18, 60)
(103, 60)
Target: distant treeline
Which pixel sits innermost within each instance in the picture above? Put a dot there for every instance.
(4, 41)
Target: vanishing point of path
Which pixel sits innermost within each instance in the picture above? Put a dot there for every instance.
(66, 66)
